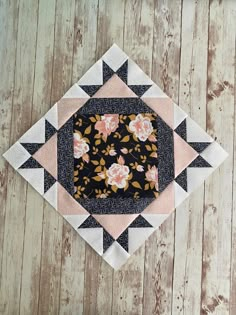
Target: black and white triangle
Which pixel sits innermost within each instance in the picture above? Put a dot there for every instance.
(30, 166)
(107, 73)
(199, 140)
(125, 240)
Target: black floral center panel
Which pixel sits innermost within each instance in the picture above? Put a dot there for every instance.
(115, 155)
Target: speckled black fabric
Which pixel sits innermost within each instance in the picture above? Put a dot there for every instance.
(114, 106)
(31, 163)
(107, 72)
(114, 205)
(199, 162)
(65, 156)
(199, 146)
(122, 72)
(181, 130)
(48, 181)
(49, 130)
(140, 222)
(32, 147)
(181, 179)
(107, 240)
(139, 90)
(123, 240)
(165, 145)
(90, 222)
(90, 89)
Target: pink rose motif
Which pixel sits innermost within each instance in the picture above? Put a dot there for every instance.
(142, 127)
(124, 150)
(152, 175)
(108, 124)
(118, 175)
(140, 168)
(112, 152)
(80, 146)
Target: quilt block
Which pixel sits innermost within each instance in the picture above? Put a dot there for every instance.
(115, 156)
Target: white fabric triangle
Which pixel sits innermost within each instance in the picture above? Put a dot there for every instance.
(136, 76)
(94, 75)
(154, 91)
(94, 237)
(75, 92)
(36, 134)
(51, 195)
(196, 176)
(115, 256)
(180, 194)
(76, 220)
(114, 57)
(214, 154)
(195, 133)
(137, 237)
(179, 115)
(52, 116)
(35, 176)
(16, 155)
(155, 219)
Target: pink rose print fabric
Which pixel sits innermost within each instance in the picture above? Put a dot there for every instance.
(141, 127)
(117, 153)
(108, 124)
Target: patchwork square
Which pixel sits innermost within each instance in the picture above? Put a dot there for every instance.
(115, 156)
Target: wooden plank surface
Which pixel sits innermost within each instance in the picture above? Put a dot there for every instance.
(188, 266)
(13, 246)
(158, 273)
(189, 216)
(218, 194)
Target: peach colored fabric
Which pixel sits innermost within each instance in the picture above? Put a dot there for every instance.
(184, 154)
(164, 107)
(66, 107)
(115, 224)
(114, 87)
(165, 202)
(47, 156)
(66, 204)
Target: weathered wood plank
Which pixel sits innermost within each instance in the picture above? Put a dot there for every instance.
(72, 272)
(34, 216)
(128, 281)
(218, 194)
(63, 48)
(165, 72)
(233, 223)
(167, 46)
(110, 25)
(21, 116)
(139, 17)
(98, 286)
(53, 223)
(50, 262)
(85, 33)
(189, 217)
(73, 249)
(8, 39)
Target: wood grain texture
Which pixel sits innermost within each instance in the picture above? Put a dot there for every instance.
(186, 267)
(165, 72)
(189, 216)
(218, 194)
(30, 281)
